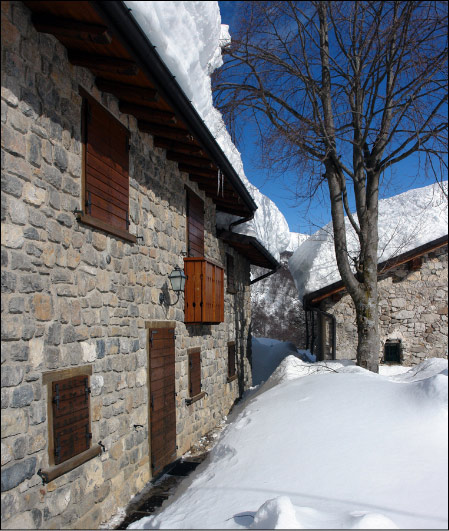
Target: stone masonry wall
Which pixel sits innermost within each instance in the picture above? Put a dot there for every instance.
(76, 296)
(413, 308)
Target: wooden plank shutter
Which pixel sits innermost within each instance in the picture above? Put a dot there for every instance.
(193, 291)
(71, 422)
(218, 295)
(194, 373)
(106, 166)
(208, 292)
(231, 360)
(195, 225)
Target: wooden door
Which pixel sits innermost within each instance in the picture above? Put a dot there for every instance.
(162, 398)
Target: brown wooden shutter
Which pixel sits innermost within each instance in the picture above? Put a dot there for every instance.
(71, 424)
(231, 360)
(193, 291)
(194, 373)
(230, 273)
(106, 166)
(195, 225)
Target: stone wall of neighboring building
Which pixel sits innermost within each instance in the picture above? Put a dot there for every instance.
(74, 296)
(413, 309)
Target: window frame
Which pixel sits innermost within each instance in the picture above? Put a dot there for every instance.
(191, 198)
(55, 470)
(83, 216)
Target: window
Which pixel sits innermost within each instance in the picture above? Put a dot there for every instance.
(392, 351)
(105, 202)
(195, 392)
(195, 225)
(230, 273)
(232, 375)
(204, 292)
(71, 419)
(69, 423)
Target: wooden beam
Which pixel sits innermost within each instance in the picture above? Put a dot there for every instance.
(147, 113)
(198, 171)
(123, 90)
(189, 159)
(72, 29)
(181, 147)
(103, 63)
(157, 129)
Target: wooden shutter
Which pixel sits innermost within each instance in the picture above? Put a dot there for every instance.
(195, 373)
(71, 422)
(195, 225)
(204, 291)
(231, 360)
(106, 166)
(230, 273)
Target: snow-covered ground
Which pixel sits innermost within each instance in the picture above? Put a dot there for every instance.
(406, 221)
(324, 446)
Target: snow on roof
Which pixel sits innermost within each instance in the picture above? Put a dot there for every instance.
(188, 37)
(406, 221)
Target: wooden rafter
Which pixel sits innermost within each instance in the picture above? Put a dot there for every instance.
(103, 63)
(124, 90)
(72, 29)
(154, 128)
(199, 162)
(180, 147)
(147, 113)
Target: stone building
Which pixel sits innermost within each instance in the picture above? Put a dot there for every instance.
(413, 304)
(109, 182)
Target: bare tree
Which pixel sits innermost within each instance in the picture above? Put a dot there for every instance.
(342, 91)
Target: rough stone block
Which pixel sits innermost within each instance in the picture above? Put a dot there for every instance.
(17, 473)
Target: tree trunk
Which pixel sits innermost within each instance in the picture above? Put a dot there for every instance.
(368, 346)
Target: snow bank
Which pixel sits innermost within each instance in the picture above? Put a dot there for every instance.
(188, 37)
(338, 449)
(406, 221)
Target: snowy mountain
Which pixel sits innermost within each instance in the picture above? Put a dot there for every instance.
(406, 221)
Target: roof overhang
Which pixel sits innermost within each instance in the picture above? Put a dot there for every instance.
(250, 248)
(105, 38)
(317, 296)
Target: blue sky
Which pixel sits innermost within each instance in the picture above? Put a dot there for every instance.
(300, 216)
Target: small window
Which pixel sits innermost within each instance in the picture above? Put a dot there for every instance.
(392, 351)
(195, 225)
(231, 362)
(71, 417)
(194, 372)
(106, 170)
(230, 273)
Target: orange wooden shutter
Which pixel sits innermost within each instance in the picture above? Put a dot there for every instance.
(71, 425)
(106, 166)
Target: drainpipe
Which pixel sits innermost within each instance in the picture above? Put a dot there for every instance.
(239, 221)
(264, 276)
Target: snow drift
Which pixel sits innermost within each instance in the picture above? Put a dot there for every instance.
(326, 445)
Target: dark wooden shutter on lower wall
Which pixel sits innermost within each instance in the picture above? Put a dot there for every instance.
(106, 166)
(71, 419)
(195, 372)
(195, 225)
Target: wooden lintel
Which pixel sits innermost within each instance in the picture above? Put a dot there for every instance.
(181, 147)
(197, 171)
(70, 28)
(147, 113)
(103, 63)
(189, 159)
(154, 128)
(123, 90)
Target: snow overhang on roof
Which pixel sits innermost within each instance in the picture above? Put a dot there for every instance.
(315, 297)
(250, 248)
(105, 38)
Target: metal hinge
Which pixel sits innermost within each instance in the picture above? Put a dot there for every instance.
(89, 203)
(56, 397)
(151, 336)
(58, 447)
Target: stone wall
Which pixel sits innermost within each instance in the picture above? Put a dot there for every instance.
(75, 296)
(413, 308)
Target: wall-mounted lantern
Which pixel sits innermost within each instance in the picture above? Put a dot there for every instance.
(178, 281)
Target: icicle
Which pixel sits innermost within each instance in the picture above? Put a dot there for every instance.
(218, 181)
